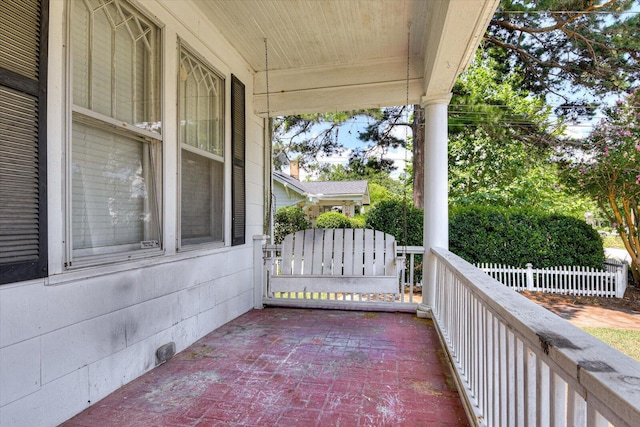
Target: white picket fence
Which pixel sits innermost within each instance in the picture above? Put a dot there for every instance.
(572, 280)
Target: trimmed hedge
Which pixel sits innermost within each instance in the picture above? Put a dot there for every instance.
(515, 237)
(333, 220)
(357, 221)
(289, 219)
(512, 237)
(388, 216)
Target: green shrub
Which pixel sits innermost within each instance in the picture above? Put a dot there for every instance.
(516, 237)
(388, 216)
(333, 220)
(289, 219)
(357, 221)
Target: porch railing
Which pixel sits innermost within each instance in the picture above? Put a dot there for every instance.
(572, 280)
(518, 365)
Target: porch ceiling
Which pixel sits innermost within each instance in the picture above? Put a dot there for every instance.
(327, 55)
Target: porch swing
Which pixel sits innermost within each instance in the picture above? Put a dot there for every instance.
(334, 267)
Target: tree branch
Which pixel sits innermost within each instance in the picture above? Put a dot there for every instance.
(560, 24)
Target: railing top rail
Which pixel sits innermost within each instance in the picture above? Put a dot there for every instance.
(604, 373)
(399, 249)
(411, 249)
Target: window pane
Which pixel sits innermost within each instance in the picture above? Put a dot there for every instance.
(202, 199)
(115, 61)
(202, 168)
(115, 175)
(112, 195)
(201, 106)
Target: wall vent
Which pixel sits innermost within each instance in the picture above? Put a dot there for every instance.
(165, 352)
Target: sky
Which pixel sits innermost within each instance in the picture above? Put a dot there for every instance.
(348, 136)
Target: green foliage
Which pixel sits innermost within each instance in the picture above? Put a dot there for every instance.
(305, 136)
(499, 150)
(389, 216)
(565, 46)
(490, 103)
(333, 220)
(357, 221)
(609, 171)
(516, 237)
(378, 193)
(289, 219)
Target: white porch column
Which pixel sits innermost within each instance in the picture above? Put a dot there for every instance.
(436, 203)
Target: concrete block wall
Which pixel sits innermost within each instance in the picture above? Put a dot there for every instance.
(66, 346)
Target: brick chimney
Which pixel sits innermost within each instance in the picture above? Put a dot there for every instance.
(294, 169)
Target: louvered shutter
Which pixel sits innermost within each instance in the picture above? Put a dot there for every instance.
(23, 244)
(238, 152)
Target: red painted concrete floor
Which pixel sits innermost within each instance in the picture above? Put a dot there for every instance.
(295, 367)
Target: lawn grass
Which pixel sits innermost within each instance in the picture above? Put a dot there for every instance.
(612, 241)
(625, 340)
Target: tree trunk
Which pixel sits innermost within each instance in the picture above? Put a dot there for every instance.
(417, 128)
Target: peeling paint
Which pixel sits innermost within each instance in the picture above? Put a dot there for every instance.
(551, 339)
(595, 366)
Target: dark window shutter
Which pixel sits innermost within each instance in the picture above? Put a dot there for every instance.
(23, 219)
(238, 138)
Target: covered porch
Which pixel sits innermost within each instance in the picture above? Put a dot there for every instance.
(77, 333)
(487, 357)
(296, 367)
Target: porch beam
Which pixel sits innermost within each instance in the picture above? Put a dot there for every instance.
(370, 84)
(436, 209)
(454, 32)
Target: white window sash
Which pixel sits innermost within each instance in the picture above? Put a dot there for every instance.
(204, 112)
(130, 93)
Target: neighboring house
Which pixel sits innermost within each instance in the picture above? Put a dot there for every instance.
(135, 162)
(315, 198)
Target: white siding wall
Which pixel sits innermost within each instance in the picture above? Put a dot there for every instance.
(282, 199)
(71, 339)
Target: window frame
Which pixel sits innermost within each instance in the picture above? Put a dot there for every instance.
(80, 257)
(196, 243)
(34, 269)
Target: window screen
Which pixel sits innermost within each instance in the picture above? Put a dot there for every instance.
(23, 244)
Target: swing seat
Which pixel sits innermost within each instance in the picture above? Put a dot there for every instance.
(337, 260)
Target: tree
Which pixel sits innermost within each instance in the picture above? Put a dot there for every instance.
(498, 149)
(608, 169)
(491, 123)
(306, 136)
(569, 46)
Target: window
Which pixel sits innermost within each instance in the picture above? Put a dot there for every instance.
(23, 220)
(116, 139)
(201, 126)
(238, 133)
